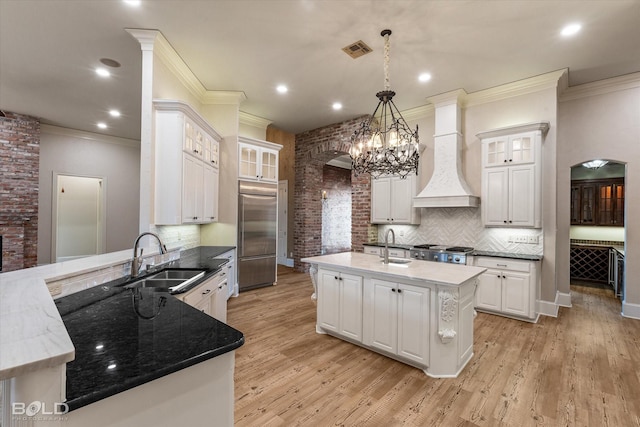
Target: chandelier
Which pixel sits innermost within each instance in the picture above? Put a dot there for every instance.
(384, 144)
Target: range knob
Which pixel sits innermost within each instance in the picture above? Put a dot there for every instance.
(456, 259)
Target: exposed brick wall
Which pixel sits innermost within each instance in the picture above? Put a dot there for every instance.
(336, 210)
(313, 149)
(19, 165)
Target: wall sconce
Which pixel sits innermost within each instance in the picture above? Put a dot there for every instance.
(324, 194)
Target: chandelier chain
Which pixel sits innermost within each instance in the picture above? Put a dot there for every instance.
(387, 48)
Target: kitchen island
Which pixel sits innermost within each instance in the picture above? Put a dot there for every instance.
(111, 355)
(420, 313)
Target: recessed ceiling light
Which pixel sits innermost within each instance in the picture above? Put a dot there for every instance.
(571, 30)
(103, 72)
(110, 62)
(134, 3)
(282, 89)
(337, 106)
(424, 77)
(114, 113)
(101, 125)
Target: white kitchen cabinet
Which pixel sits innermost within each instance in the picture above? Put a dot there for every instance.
(509, 198)
(258, 160)
(340, 303)
(512, 176)
(186, 166)
(392, 200)
(508, 287)
(210, 297)
(232, 282)
(397, 319)
(210, 194)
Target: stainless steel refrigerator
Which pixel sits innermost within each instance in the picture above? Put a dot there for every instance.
(257, 234)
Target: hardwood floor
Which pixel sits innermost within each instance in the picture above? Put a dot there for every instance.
(579, 369)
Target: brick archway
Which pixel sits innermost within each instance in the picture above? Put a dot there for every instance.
(312, 150)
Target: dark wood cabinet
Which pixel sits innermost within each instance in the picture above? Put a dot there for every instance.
(598, 202)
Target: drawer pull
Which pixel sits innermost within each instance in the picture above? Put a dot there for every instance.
(206, 292)
(501, 265)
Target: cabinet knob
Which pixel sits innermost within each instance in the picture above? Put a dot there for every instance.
(505, 160)
(335, 277)
(195, 151)
(505, 221)
(511, 160)
(393, 290)
(510, 221)
(399, 291)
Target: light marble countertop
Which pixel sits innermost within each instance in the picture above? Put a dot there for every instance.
(435, 272)
(32, 334)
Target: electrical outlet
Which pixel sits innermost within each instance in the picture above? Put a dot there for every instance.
(533, 239)
(55, 289)
(521, 239)
(401, 233)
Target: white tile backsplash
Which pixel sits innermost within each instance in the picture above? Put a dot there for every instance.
(463, 227)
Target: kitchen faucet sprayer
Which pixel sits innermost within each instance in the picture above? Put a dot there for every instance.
(136, 262)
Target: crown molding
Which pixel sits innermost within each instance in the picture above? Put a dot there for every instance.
(222, 97)
(167, 54)
(90, 136)
(255, 121)
(601, 87)
(520, 87)
(146, 38)
(542, 127)
(418, 113)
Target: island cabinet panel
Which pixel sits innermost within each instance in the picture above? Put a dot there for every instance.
(340, 303)
(397, 319)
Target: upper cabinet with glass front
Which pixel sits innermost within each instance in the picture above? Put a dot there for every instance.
(258, 160)
(510, 149)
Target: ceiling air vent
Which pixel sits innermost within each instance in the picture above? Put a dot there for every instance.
(357, 49)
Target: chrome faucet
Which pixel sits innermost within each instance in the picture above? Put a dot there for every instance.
(386, 244)
(136, 263)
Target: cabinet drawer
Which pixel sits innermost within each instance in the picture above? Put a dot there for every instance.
(398, 253)
(195, 296)
(503, 264)
(373, 250)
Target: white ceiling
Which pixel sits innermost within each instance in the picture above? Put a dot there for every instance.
(49, 48)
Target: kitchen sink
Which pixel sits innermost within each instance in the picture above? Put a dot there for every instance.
(174, 280)
(177, 274)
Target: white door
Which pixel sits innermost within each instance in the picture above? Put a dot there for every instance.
(351, 306)
(489, 291)
(384, 315)
(283, 197)
(496, 202)
(521, 196)
(515, 294)
(78, 217)
(380, 197)
(413, 323)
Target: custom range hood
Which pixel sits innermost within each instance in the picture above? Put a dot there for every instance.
(447, 187)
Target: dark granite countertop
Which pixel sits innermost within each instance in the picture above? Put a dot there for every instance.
(528, 257)
(127, 337)
(395, 246)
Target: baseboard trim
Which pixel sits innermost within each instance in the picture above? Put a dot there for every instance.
(563, 300)
(548, 308)
(632, 311)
